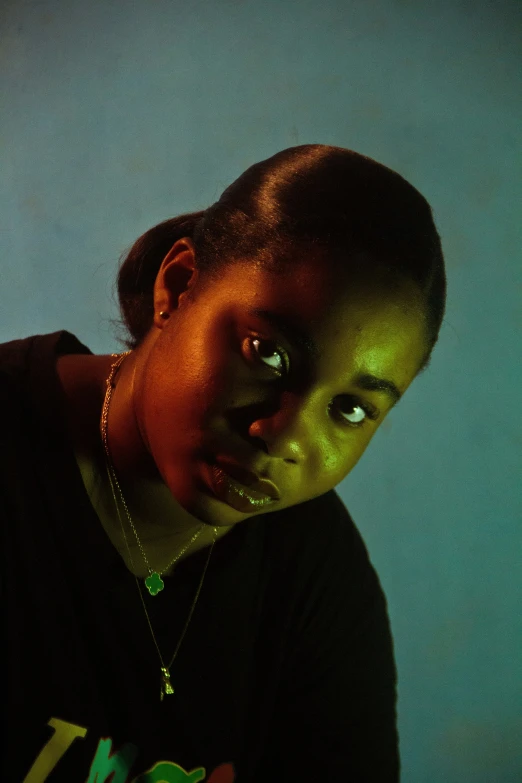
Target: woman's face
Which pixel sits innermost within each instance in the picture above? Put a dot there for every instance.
(219, 379)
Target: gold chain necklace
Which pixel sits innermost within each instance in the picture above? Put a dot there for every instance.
(153, 582)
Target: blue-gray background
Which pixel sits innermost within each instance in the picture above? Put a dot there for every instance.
(116, 115)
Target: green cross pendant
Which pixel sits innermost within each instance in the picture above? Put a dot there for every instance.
(154, 583)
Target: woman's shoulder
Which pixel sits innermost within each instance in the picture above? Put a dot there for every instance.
(14, 355)
(80, 370)
(18, 355)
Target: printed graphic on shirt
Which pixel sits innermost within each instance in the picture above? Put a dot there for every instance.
(110, 766)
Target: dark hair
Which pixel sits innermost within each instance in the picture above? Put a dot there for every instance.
(356, 210)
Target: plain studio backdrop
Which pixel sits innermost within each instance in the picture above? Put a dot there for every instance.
(117, 115)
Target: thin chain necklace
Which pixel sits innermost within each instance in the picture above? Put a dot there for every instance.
(153, 582)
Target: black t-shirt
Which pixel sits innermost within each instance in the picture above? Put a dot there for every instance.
(286, 671)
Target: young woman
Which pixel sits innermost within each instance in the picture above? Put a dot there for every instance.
(185, 596)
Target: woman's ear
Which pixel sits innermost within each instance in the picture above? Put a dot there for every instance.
(176, 275)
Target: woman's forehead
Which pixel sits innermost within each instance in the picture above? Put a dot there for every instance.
(317, 293)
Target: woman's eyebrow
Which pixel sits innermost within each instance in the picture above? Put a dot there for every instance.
(295, 334)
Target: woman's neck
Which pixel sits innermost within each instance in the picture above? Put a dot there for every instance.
(162, 524)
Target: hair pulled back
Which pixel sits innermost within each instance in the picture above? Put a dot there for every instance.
(358, 211)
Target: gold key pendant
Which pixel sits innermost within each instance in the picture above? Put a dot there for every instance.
(166, 687)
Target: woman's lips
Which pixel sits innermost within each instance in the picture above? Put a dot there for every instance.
(248, 478)
(235, 494)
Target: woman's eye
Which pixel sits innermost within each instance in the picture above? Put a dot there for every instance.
(354, 413)
(264, 350)
(358, 418)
